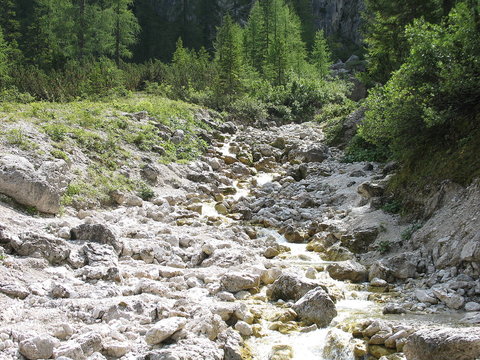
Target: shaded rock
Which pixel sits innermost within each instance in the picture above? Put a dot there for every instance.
(425, 296)
(98, 233)
(232, 344)
(452, 300)
(370, 190)
(133, 200)
(393, 309)
(38, 347)
(228, 128)
(150, 173)
(90, 342)
(19, 180)
(472, 306)
(360, 239)
(348, 270)
(163, 329)
(317, 307)
(443, 344)
(56, 251)
(316, 154)
(14, 290)
(291, 287)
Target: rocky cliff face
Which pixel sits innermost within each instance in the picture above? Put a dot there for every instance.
(339, 18)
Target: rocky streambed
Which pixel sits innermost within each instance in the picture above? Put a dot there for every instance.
(268, 247)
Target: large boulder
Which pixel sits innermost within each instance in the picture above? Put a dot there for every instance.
(98, 233)
(163, 329)
(359, 240)
(20, 180)
(38, 347)
(348, 270)
(291, 287)
(443, 344)
(317, 307)
(235, 282)
(370, 190)
(56, 251)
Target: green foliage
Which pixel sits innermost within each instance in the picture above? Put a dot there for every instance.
(384, 246)
(334, 115)
(273, 41)
(4, 68)
(145, 192)
(68, 30)
(189, 71)
(392, 207)
(228, 58)
(16, 137)
(248, 109)
(125, 29)
(360, 150)
(321, 56)
(387, 45)
(408, 232)
(437, 84)
(90, 79)
(59, 154)
(12, 95)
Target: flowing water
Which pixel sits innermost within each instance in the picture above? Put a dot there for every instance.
(331, 343)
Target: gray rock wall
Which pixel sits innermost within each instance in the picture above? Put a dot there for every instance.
(337, 17)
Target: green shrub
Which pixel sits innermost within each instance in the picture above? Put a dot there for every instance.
(16, 137)
(437, 85)
(392, 207)
(384, 246)
(408, 233)
(145, 192)
(360, 150)
(59, 154)
(248, 109)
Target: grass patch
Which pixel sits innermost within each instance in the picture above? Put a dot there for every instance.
(107, 137)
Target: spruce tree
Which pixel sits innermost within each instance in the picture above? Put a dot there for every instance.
(229, 56)
(320, 56)
(3, 61)
(255, 38)
(273, 41)
(125, 29)
(9, 22)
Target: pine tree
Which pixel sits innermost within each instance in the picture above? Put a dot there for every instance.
(255, 38)
(273, 41)
(9, 22)
(49, 36)
(229, 56)
(320, 56)
(3, 61)
(125, 29)
(304, 10)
